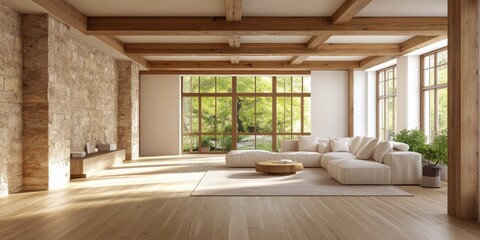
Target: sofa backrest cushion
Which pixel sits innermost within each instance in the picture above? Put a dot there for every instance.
(323, 146)
(289, 146)
(382, 149)
(400, 146)
(355, 144)
(339, 145)
(367, 150)
(307, 143)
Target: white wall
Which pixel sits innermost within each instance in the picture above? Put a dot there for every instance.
(329, 103)
(371, 104)
(360, 106)
(408, 92)
(160, 113)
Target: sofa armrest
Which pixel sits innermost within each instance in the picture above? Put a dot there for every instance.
(289, 146)
(406, 167)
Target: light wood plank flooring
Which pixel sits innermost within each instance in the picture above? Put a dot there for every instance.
(150, 199)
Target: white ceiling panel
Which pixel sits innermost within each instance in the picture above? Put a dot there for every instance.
(187, 58)
(405, 8)
(367, 39)
(166, 8)
(335, 58)
(265, 58)
(173, 39)
(274, 39)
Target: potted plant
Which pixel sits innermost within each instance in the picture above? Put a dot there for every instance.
(415, 138)
(206, 145)
(433, 154)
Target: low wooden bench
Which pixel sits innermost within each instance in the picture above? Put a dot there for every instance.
(84, 166)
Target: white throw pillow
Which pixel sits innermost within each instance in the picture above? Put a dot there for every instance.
(382, 149)
(400, 146)
(366, 151)
(323, 146)
(355, 144)
(307, 143)
(362, 144)
(339, 145)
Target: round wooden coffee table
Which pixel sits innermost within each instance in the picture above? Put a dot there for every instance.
(271, 166)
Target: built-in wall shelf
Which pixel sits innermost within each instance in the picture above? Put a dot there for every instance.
(85, 166)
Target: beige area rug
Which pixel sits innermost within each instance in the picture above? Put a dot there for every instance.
(309, 182)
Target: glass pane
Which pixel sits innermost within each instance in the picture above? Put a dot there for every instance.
(246, 84)
(389, 87)
(389, 74)
(207, 84)
(264, 84)
(190, 114)
(281, 84)
(432, 114)
(307, 84)
(264, 142)
(284, 115)
(426, 62)
(390, 118)
(307, 126)
(427, 113)
(187, 84)
(426, 78)
(381, 88)
(208, 115)
(208, 143)
(381, 119)
(224, 115)
(442, 109)
(431, 60)
(288, 84)
(296, 115)
(442, 74)
(431, 78)
(190, 143)
(442, 57)
(297, 84)
(246, 114)
(224, 84)
(381, 76)
(264, 114)
(246, 142)
(224, 143)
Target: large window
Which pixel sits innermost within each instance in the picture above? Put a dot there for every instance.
(387, 102)
(221, 113)
(434, 80)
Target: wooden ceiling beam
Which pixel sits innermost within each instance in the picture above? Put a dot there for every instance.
(233, 13)
(300, 26)
(314, 42)
(71, 16)
(348, 10)
(246, 66)
(406, 47)
(229, 72)
(260, 49)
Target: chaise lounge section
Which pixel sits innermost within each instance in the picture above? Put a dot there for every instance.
(359, 160)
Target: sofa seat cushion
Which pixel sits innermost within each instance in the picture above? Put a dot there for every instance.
(326, 157)
(247, 158)
(308, 159)
(354, 171)
(406, 167)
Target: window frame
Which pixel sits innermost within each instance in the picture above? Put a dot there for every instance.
(384, 98)
(435, 88)
(235, 95)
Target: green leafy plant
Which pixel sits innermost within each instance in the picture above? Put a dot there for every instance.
(415, 138)
(206, 142)
(436, 152)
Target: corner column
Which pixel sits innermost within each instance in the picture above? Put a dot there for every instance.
(463, 108)
(128, 109)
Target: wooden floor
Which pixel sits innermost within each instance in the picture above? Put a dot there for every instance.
(150, 199)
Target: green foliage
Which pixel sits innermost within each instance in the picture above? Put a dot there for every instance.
(207, 142)
(439, 146)
(415, 138)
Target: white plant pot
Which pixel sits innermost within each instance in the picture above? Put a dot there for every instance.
(444, 172)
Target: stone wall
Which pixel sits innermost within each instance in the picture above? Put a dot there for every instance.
(10, 101)
(128, 108)
(93, 98)
(70, 96)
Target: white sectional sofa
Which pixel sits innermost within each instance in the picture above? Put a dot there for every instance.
(364, 161)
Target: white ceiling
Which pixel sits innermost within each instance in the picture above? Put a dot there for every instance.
(284, 8)
(367, 39)
(335, 58)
